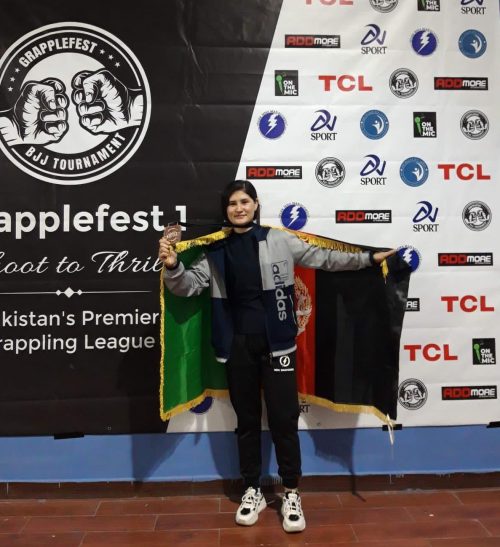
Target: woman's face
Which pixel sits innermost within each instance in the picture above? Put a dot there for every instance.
(241, 208)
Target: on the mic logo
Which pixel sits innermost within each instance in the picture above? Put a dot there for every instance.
(460, 83)
(429, 5)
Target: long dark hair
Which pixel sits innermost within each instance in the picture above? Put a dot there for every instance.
(243, 185)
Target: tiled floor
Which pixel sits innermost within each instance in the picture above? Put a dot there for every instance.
(410, 518)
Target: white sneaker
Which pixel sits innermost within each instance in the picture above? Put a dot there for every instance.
(293, 517)
(252, 503)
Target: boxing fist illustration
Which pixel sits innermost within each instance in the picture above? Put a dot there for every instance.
(104, 104)
(39, 115)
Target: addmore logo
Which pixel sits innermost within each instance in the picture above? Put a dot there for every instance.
(413, 304)
(429, 5)
(78, 103)
(465, 259)
(412, 394)
(468, 393)
(274, 172)
(483, 351)
(472, 7)
(424, 125)
(286, 83)
(429, 352)
(366, 217)
(460, 83)
(344, 82)
(468, 303)
(331, 41)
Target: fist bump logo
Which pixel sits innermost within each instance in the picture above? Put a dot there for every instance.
(75, 103)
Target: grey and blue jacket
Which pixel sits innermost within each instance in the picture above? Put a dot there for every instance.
(279, 251)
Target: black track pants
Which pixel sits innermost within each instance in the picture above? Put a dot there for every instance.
(249, 369)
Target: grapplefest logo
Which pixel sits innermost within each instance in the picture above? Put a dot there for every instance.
(76, 103)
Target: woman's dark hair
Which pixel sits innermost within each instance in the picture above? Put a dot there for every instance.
(243, 185)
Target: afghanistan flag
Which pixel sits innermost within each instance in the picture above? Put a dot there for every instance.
(347, 345)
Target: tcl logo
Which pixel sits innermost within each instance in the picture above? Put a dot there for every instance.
(465, 259)
(467, 303)
(464, 171)
(345, 82)
(449, 393)
(430, 352)
(330, 2)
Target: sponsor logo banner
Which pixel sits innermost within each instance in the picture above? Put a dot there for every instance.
(413, 304)
(468, 393)
(465, 259)
(483, 351)
(312, 40)
(461, 83)
(367, 217)
(274, 172)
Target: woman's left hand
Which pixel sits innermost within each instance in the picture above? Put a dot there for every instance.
(380, 256)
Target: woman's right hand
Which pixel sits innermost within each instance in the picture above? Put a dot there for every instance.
(166, 254)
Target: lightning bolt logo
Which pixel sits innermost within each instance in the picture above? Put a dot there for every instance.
(294, 215)
(411, 256)
(407, 255)
(424, 40)
(272, 122)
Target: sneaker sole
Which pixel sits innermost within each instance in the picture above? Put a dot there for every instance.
(254, 517)
(293, 529)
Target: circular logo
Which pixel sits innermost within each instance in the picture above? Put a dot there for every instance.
(424, 42)
(383, 6)
(78, 103)
(414, 171)
(411, 256)
(472, 43)
(303, 304)
(203, 407)
(272, 125)
(403, 83)
(474, 124)
(285, 361)
(476, 216)
(374, 124)
(412, 394)
(330, 172)
(294, 216)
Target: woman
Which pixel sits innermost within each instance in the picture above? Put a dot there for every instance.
(251, 276)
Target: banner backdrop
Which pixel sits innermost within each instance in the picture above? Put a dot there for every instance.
(367, 121)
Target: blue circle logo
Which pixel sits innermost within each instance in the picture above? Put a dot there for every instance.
(374, 124)
(424, 42)
(414, 172)
(411, 256)
(293, 216)
(272, 125)
(203, 407)
(472, 43)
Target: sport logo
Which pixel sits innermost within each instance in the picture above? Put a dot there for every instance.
(465, 259)
(414, 172)
(384, 6)
(468, 393)
(424, 125)
(411, 256)
(330, 172)
(429, 5)
(403, 83)
(374, 124)
(274, 172)
(476, 216)
(476, 9)
(363, 217)
(272, 124)
(412, 394)
(312, 40)
(286, 83)
(373, 166)
(424, 42)
(294, 216)
(426, 212)
(474, 124)
(472, 43)
(374, 35)
(461, 83)
(78, 103)
(324, 121)
(483, 351)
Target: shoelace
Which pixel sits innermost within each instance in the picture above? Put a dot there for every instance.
(292, 504)
(250, 498)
